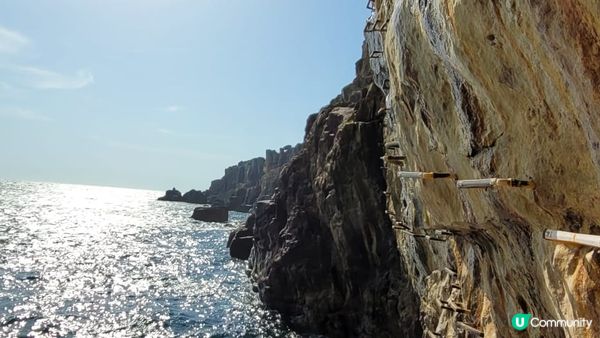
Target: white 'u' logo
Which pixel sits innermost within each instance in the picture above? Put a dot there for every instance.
(520, 322)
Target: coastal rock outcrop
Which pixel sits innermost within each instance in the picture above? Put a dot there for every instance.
(274, 163)
(324, 253)
(475, 89)
(211, 214)
(192, 196)
(239, 187)
(172, 195)
(242, 184)
(248, 181)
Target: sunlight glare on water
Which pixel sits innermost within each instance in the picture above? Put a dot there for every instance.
(97, 261)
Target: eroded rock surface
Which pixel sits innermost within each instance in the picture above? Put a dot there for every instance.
(478, 89)
(324, 252)
(495, 89)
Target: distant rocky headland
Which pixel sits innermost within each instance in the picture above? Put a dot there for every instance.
(242, 185)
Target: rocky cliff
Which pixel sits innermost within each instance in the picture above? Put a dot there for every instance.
(495, 89)
(239, 187)
(324, 252)
(248, 181)
(477, 89)
(274, 163)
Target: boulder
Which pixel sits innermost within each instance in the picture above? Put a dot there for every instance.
(240, 243)
(194, 196)
(172, 195)
(211, 214)
(241, 240)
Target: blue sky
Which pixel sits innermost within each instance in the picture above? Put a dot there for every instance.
(162, 93)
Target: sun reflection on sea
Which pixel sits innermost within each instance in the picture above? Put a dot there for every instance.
(115, 262)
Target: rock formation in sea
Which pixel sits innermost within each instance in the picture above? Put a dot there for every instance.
(192, 196)
(242, 184)
(172, 195)
(211, 214)
(248, 181)
(476, 89)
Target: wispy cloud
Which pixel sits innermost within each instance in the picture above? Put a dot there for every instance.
(23, 114)
(12, 41)
(46, 79)
(174, 108)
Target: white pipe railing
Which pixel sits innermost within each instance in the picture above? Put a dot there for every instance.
(423, 175)
(471, 184)
(572, 238)
(493, 182)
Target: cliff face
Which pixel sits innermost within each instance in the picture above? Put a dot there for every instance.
(475, 88)
(495, 89)
(324, 252)
(239, 187)
(274, 163)
(248, 181)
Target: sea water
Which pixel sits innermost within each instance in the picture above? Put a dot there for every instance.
(81, 261)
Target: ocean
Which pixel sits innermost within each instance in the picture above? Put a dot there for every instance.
(82, 261)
